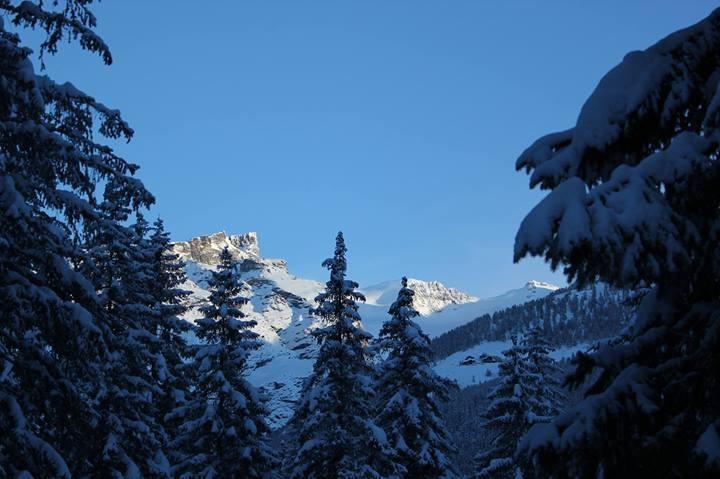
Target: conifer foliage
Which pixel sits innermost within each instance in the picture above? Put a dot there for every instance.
(508, 416)
(53, 350)
(223, 431)
(335, 433)
(409, 392)
(167, 274)
(529, 393)
(545, 376)
(130, 442)
(634, 201)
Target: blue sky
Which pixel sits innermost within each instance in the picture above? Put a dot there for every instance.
(398, 122)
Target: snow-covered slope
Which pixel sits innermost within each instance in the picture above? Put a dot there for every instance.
(280, 303)
(572, 319)
(467, 373)
(455, 315)
(442, 308)
(430, 296)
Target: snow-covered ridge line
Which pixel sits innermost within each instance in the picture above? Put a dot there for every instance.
(541, 284)
(430, 296)
(454, 315)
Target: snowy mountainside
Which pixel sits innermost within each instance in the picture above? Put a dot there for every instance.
(573, 320)
(455, 315)
(280, 303)
(452, 367)
(430, 296)
(568, 316)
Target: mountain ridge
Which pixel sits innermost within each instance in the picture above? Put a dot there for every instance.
(280, 303)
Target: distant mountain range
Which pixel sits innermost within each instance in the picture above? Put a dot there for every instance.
(280, 303)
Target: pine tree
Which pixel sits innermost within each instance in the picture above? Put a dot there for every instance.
(223, 431)
(333, 423)
(634, 201)
(52, 160)
(513, 408)
(409, 392)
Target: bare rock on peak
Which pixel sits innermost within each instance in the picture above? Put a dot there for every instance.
(206, 249)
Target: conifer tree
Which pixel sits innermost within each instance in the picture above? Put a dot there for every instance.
(509, 415)
(128, 439)
(545, 378)
(409, 392)
(170, 370)
(223, 431)
(335, 433)
(634, 201)
(52, 159)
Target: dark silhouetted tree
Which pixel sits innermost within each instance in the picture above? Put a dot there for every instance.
(634, 201)
(335, 432)
(409, 392)
(223, 431)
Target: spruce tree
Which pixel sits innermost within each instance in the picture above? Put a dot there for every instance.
(128, 440)
(509, 415)
(528, 393)
(409, 393)
(52, 159)
(333, 424)
(170, 370)
(546, 376)
(634, 201)
(223, 431)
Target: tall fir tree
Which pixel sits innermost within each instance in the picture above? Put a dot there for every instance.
(409, 392)
(514, 405)
(634, 201)
(333, 424)
(546, 376)
(171, 370)
(223, 431)
(52, 159)
(128, 440)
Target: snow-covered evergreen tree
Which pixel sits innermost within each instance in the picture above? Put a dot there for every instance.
(51, 161)
(510, 414)
(546, 376)
(634, 201)
(223, 431)
(408, 395)
(170, 369)
(128, 440)
(335, 432)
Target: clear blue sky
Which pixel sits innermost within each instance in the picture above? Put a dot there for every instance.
(398, 122)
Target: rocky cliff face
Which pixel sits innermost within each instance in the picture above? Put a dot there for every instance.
(432, 296)
(206, 249)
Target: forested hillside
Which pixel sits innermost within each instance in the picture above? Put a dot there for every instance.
(567, 317)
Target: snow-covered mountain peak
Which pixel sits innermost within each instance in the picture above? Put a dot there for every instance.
(534, 284)
(532, 290)
(206, 249)
(430, 296)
